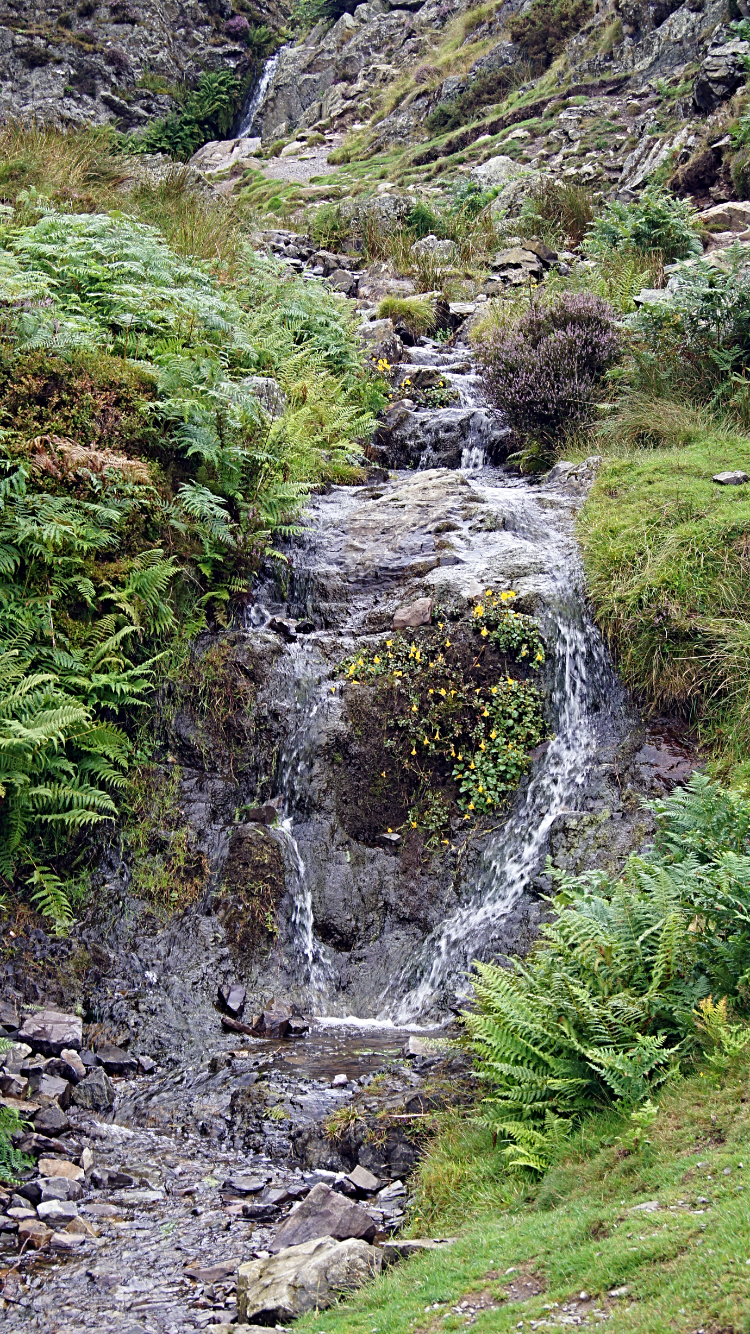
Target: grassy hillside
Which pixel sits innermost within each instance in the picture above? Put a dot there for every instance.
(683, 1267)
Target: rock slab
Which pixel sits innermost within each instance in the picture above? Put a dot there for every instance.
(324, 1213)
(731, 478)
(50, 1032)
(303, 1278)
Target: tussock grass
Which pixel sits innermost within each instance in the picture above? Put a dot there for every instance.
(79, 169)
(417, 313)
(196, 224)
(668, 563)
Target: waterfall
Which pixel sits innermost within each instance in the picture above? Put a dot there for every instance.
(257, 97)
(583, 680)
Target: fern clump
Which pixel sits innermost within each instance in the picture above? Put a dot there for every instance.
(615, 994)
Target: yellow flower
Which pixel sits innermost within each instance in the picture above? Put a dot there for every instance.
(414, 708)
(471, 805)
(390, 831)
(447, 643)
(445, 840)
(440, 625)
(418, 656)
(489, 592)
(486, 713)
(467, 817)
(484, 632)
(494, 690)
(442, 690)
(383, 776)
(430, 691)
(480, 788)
(376, 658)
(413, 750)
(398, 673)
(388, 643)
(460, 757)
(493, 734)
(540, 657)
(479, 609)
(471, 766)
(413, 824)
(482, 746)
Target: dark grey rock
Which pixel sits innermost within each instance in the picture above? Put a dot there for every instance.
(324, 1213)
(50, 1031)
(730, 478)
(115, 1060)
(95, 1093)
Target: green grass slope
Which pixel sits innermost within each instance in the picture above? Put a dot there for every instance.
(685, 1266)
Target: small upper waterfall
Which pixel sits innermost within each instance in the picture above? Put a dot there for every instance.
(257, 97)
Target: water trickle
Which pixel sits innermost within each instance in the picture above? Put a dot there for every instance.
(258, 96)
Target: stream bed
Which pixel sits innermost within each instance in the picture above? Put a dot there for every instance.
(373, 934)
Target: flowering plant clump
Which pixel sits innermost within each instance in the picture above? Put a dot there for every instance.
(543, 372)
(461, 737)
(510, 631)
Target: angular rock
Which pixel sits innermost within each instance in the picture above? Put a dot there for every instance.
(8, 1224)
(730, 478)
(297, 1027)
(242, 1185)
(68, 1065)
(66, 1241)
(94, 1093)
(403, 1248)
(50, 1031)
(51, 1120)
(212, 1273)
(723, 70)
(35, 1145)
(734, 216)
(58, 1167)
(364, 1180)
(232, 995)
(303, 1278)
(517, 257)
(417, 613)
(341, 280)
(50, 1086)
(59, 1188)
(116, 1061)
(146, 1065)
(57, 1212)
(324, 1213)
(34, 1233)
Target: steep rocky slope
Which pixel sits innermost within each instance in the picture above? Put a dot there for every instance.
(98, 63)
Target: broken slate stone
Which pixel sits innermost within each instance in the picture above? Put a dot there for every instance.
(94, 1093)
(57, 1212)
(60, 1188)
(35, 1145)
(59, 1167)
(232, 998)
(51, 1120)
(324, 1213)
(241, 1185)
(730, 478)
(364, 1180)
(115, 1060)
(49, 1086)
(50, 1031)
(146, 1065)
(303, 1278)
(417, 613)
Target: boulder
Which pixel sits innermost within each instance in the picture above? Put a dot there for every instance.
(60, 1167)
(44, 1085)
(57, 1212)
(734, 216)
(34, 1233)
(730, 478)
(36, 1144)
(723, 70)
(324, 1213)
(303, 1278)
(50, 1031)
(115, 1060)
(51, 1120)
(495, 171)
(60, 1188)
(433, 248)
(341, 280)
(95, 1093)
(417, 613)
(364, 1180)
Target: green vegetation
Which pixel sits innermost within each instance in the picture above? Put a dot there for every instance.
(162, 418)
(655, 222)
(11, 1161)
(204, 114)
(417, 313)
(579, 1189)
(458, 733)
(543, 29)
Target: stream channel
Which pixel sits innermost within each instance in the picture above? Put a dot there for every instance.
(375, 941)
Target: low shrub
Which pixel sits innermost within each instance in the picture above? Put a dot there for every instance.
(654, 224)
(207, 113)
(543, 372)
(543, 29)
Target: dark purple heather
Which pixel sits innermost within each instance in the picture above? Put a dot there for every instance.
(543, 372)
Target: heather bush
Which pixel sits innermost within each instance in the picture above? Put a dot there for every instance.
(542, 373)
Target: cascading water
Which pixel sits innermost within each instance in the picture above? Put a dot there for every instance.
(257, 97)
(583, 680)
(450, 533)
